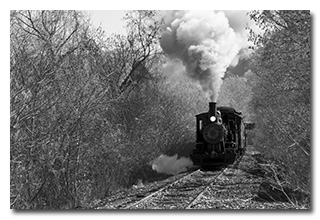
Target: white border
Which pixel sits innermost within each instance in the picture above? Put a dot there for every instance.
(160, 5)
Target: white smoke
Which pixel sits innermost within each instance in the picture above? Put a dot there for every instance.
(206, 44)
(171, 165)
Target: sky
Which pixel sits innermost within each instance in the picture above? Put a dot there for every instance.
(110, 20)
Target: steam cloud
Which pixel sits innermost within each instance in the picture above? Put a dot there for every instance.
(205, 43)
(171, 165)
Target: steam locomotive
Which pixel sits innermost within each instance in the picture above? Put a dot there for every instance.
(220, 136)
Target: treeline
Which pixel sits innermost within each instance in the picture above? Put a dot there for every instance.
(275, 93)
(88, 112)
(281, 101)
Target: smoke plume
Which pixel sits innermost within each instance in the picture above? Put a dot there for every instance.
(171, 165)
(205, 43)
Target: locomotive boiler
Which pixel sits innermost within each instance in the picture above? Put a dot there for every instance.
(220, 136)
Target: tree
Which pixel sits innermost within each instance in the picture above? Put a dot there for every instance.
(132, 57)
(281, 66)
(236, 92)
(57, 106)
(88, 113)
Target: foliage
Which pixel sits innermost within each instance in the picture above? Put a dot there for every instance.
(133, 57)
(236, 92)
(281, 85)
(88, 113)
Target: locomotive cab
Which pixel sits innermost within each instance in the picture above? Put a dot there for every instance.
(219, 136)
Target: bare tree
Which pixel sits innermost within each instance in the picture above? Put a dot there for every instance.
(281, 67)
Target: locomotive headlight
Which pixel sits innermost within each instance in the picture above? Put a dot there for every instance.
(212, 118)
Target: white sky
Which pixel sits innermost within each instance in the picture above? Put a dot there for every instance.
(111, 21)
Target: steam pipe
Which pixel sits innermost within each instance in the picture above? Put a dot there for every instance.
(212, 109)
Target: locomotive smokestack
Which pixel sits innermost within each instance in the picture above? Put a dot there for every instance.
(212, 109)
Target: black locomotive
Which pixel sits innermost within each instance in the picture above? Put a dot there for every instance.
(220, 136)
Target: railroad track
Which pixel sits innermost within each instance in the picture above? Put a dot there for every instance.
(127, 200)
(182, 193)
